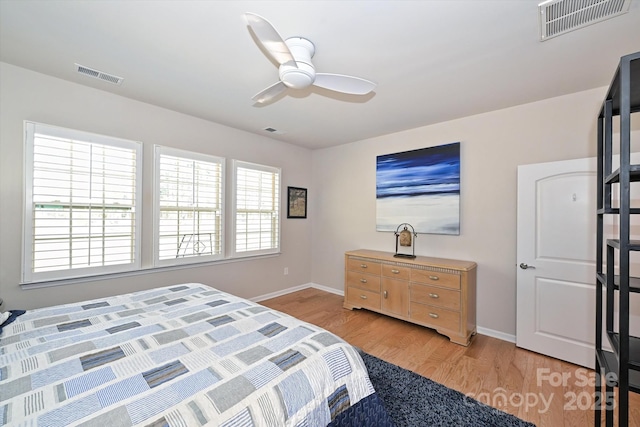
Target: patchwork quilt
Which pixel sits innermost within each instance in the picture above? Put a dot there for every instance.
(183, 355)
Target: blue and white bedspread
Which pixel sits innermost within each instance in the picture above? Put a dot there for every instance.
(183, 355)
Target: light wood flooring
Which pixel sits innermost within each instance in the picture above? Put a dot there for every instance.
(487, 370)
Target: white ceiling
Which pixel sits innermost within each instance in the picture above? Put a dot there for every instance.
(433, 60)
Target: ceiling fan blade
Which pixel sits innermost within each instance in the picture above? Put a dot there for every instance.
(345, 84)
(268, 36)
(269, 93)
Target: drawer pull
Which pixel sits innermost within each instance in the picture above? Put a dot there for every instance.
(395, 271)
(386, 294)
(363, 265)
(434, 277)
(363, 280)
(434, 295)
(435, 316)
(363, 296)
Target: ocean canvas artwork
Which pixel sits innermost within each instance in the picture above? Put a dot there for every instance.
(420, 187)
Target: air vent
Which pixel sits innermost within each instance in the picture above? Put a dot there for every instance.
(99, 74)
(561, 16)
(274, 131)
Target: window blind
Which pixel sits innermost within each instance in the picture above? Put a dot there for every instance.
(257, 208)
(81, 199)
(189, 192)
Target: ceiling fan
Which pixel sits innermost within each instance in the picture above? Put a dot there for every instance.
(296, 70)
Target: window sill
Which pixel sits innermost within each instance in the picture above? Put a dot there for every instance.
(142, 271)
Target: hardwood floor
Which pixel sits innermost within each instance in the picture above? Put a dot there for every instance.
(496, 372)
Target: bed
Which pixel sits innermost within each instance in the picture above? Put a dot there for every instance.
(182, 355)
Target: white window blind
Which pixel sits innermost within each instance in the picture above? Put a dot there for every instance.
(256, 209)
(81, 199)
(189, 207)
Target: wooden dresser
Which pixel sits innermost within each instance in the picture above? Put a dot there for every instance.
(434, 292)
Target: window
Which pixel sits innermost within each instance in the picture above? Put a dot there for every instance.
(82, 199)
(189, 207)
(256, 209)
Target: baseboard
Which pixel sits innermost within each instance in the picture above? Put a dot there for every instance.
(278, 293)
(296, 289)
(497, 334)
(327, 289)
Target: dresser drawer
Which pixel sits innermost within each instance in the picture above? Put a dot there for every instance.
(441, 297)
(361, 298)
(364, 281)
(446, 280)
(370, 267)
(400, 273)
(435, 317)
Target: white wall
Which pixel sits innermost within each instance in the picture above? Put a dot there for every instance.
(492, 146)
(26, 95)
(341, 184)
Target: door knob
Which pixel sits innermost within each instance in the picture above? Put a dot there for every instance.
(525, 266)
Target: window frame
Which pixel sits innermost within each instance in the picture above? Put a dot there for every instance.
(28, 215)
(160, 150)
(234, 211)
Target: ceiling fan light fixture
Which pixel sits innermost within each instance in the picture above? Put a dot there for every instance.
(297, 77)
(300, 73)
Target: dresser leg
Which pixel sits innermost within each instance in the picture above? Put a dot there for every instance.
(458, 339)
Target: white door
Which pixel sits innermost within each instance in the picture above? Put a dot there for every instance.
(556, 259)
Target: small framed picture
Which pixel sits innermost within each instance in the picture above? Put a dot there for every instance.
(297, 202)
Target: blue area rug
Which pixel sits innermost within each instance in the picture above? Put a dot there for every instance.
(413, 400)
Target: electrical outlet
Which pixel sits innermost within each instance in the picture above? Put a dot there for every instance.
(286, 271)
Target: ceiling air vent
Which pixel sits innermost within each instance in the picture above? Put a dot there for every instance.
(561, 16)
(275, 131)
(99, 74)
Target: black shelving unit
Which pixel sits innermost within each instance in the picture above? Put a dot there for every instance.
(620, 368)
